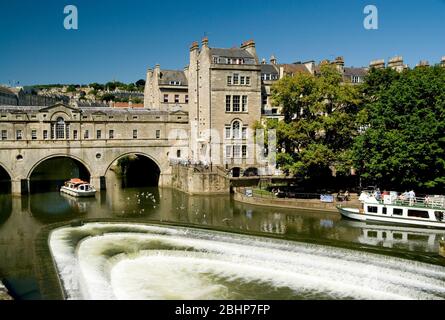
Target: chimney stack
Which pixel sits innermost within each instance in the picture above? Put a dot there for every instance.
(273, 60)
(377, 64)
(194, 46)
(249, 46)
(205, 42)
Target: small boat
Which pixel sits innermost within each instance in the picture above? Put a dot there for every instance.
(392, 209)
(78, 188)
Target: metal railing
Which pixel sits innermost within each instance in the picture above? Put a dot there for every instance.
(260, 193)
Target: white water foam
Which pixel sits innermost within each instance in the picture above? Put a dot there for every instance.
(124, 261)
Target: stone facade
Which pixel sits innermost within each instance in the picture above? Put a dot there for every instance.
(96, 137)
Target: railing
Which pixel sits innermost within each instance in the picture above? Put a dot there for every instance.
(433, 202)
(259, 193)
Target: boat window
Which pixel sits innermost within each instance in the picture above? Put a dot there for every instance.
(439, 215)
(81, 187)
(384, 210)
(397, 236)
(372, 209)
(372, 234)
(397, 212)
(418, 214)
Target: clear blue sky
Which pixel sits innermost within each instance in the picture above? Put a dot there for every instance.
(120, 39)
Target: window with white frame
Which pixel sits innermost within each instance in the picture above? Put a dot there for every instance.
(236, 104)
(229, 151)
(235, 79)
(236, 129)
(228, 103)
(19, 135)
(4, 135)
(236, 151)
(229, 80)
(45, 134)
(111, 134)
(228, 132)
(244, 104)
(244, 133)
(34, 134)
(244, 151)
(241, 80)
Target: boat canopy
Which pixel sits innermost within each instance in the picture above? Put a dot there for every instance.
(77, 181)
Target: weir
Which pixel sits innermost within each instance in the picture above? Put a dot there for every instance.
(186, 263)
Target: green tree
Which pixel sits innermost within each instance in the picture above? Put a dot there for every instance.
(403, 144)
(319, 123)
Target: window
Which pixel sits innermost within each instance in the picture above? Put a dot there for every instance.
(176, 98)
(215, 60)
(236, 129)
(228, 103)
(186, 98)
(111, 134)
(418, 214)
(236, 102)
(384, 210)
(158, 134)
(248, 81)
(98, 134)
(4, 134)
(397, 212)
(34, 134)
(228, 151)
(60, 128)
(45, 134)
(178, 153)
(135, 117)
(135, 134)
(75, 134)
(229, 80)
(244, 104)
(67, 130)
(227, 132)
(244, 151)
(372, 234)
(241, 80)
(19, 135)
(236, 151)
(86, 134)
(372, 209)
(165, 98)
(235, 79)
(244, 132)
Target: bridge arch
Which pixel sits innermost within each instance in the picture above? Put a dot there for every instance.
(5, 179)
(144, 170)
(49, 173)
(58, 155)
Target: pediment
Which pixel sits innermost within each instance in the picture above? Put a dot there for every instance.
(59, 107)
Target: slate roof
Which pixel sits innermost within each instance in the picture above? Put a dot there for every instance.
(355, 72)
(173, 75)
(269, 69)
(231, 53)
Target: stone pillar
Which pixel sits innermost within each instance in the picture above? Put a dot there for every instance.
(16, 188)
(95, 182)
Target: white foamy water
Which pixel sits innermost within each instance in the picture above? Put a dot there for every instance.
(131, 261)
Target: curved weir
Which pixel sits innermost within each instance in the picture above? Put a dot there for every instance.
(132, 261)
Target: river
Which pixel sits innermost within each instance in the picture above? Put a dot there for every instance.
(22, 220)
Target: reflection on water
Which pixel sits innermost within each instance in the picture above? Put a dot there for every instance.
(21, 219)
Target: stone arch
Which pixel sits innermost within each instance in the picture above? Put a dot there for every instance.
(251, 172)
(5, 176)
(138, 153)
(61, 155)
(143, 171)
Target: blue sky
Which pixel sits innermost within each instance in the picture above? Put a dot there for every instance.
(120, 39)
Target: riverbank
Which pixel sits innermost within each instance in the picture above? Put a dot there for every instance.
(4, 295)
(301, 204)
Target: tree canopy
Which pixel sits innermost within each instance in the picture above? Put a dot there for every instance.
(403, 145)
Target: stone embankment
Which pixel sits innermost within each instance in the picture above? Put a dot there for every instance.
(302, 204)
(4, 293)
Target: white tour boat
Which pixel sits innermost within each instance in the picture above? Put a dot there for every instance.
(424, 212)
(78, 188)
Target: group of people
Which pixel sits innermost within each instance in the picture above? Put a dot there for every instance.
(343, 196)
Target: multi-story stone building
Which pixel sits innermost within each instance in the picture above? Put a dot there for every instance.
(166, 89)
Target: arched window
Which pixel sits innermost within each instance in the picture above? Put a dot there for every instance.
(236, 129)
(60, 128)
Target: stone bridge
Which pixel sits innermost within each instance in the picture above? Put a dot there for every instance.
(94, 137)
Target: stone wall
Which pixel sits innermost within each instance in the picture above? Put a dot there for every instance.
(192, 181)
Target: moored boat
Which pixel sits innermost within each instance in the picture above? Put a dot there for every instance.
(78, 188)
(423, 212)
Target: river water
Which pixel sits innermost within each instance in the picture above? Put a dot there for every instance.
(262, 253)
